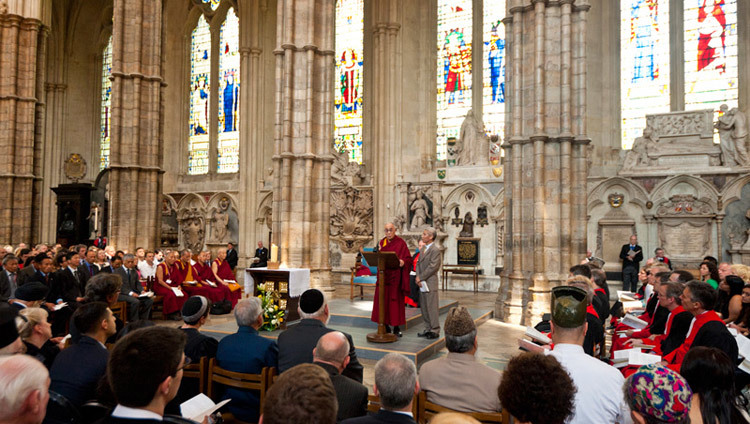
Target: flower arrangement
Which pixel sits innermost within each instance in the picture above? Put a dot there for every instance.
(272, 315)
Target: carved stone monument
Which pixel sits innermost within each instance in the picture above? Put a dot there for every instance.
(472, 149)
(732, 127)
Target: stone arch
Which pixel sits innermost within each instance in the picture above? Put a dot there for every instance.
(469, 198)
(456, 196)
(634, 193)
(685, 184)
(732, 191)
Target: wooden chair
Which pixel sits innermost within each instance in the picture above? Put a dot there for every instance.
(158, 305)
(217, 375)
(426, 410)
(197, 371)
(120, 309)
(363, 281)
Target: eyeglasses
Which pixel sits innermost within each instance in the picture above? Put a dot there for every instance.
(184, 364)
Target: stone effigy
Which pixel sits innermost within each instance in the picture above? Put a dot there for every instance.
(732, 127)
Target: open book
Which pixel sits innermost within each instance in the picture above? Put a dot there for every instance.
(634, 322)
(634, 357)
(199, 406)
(177, 292)
(528, 346)
(624, 296)
(537, 336)
(146, 294)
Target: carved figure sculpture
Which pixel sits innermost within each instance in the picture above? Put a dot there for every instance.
(472, 149)
(732, 126)
(421, 211)
(638, 154)
(221, 221)
(193, 234)
(468, 228)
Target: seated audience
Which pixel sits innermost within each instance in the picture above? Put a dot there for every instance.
(10, 341)
(247, 352)
(681, 276)
(536, 389)
(8, 278)
(36, 333)
(731, 288)
(33, 271)
(88, 268)
(742, 323)
(224, 275)
(25, 393)
(189, 279)
(169, 288)
(297, 342)
(77, 370)
(144, 372)
(678, 321)
(194, 314)
(66, 282)
(304, 394)
(396, 384)
(599, 397)
(147, 266)
(104, 288)
(29, 295)
(656, 394)
(332, 354)
(467, 374)
(138, 307)
(710, 373)
(710, 274)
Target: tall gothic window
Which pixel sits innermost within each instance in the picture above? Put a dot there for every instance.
(493, 62)
(106, 106)
(349, 78)
(711, 72)
(644, 60)
(223, 83)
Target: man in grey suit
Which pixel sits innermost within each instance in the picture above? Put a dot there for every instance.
(428, 266)
(8, 275)
(138, 307)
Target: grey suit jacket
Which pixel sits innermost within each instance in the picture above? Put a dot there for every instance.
(129, 284)
(5, 288)
(428, 266)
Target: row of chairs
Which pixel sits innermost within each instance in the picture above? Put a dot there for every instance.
(209, 374)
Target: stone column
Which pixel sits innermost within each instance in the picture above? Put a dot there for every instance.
(20, 25)
(135, 180)
(545, 192)
(304, 136)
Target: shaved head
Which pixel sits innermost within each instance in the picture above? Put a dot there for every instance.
(332, 347)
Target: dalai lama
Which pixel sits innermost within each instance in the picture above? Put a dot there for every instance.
(396, 282)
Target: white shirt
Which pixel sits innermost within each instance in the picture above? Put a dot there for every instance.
(146, 269)
(134, 413)
(599, 398)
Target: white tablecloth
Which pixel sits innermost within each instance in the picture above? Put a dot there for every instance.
(299, 280)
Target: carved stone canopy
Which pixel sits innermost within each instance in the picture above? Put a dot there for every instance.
(351, 217)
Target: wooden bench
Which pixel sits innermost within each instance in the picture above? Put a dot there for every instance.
(472, 270)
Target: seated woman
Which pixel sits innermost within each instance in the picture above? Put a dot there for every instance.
(36, 334)
(710, 274)
(742, 323)
(732, 286)
(168, 287)
(223, 275)
(656, 394)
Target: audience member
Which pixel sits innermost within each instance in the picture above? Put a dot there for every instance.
(194, 314)
(712, 260)
(66, 283)
(104, 288)
(25, 393)
(710, 373)
(147, 266)
(601, 293)
(32, 271)
(536, 389)
(396, 384)
(678, 321)
(593, 342)
(659, 257)
(88, 268)
(731, 291)
(631, 255)
(599, 397)
(131, 289)
(742, 323)
(466, 375)
(8, 278)
(710, 274)
(332, 354)
(173, 298)
(10, 341)
(103, 262)
(304, 394)
(247, 352)
(656, 394)
(261, 253)
(77, 370)
(580, 269)
(43, 264)
(296, 343)
(145, 372)
(36, 334)
(232, 257)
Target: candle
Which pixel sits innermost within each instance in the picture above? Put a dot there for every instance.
(274, 253)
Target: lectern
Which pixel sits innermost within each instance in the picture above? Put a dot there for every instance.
(385, 260)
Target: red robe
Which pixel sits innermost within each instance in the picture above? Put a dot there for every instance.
(674, 358)
(171, 303)
(224, 271)
(204, 274)
(396, 284)
(188, 273)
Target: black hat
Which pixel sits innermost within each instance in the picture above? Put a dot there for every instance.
(194, 308)
(31, 292)
(8, 330)
(311, 301)
(568, 306)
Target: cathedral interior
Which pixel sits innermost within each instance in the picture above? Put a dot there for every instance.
(527, 132)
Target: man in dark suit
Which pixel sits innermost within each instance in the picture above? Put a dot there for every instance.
(66, 282)
(247, 352)
(396, 384)
(631, 255)
(30, 272)
(262, 254)
(8, 278)
(296, 343)
(77, 370)
(138, 307)
(135, 359)
(43, 270)
(88, 269)
(231, 256)
(332, 354)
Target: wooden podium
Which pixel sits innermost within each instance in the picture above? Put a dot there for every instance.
(385, 260)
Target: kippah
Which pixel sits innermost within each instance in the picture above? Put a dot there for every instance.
(658, 392)
(311, 301)
(31, 292)
(459, 322)
(8, 330)
(568, 306)
(194, 308)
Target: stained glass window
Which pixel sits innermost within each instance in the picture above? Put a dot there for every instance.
(200, 70)
(711, 73)
(454, 31)
(214, 3)
(493, 61)
(106, 106)
(644, 61)
(229, 95)
(349, 78)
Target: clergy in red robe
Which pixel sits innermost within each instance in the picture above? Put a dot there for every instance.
(224, 275)
(205, 275)
(166, 273)
(191, 282)
(396, 280)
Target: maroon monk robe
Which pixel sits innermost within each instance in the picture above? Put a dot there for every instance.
(170, 302)
(224, 271)
(188, 273)
(204, 275)
(396, 283)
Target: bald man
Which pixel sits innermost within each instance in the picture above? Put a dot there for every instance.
(332, 354)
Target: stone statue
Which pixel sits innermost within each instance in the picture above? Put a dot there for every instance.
(732, 126)
(421, 211)
(221, 221)
(473, 149)
(192, 233)
(638, 154)
(468, 228)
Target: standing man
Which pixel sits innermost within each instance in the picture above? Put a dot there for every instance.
(396, 282)
(88, 268)
(428, 266)
(262, 254)
(631, 255)
(231, 256)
